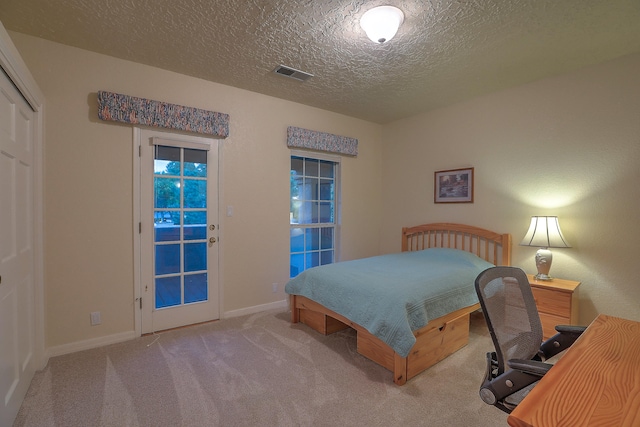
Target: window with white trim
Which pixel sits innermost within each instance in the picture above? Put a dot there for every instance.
(313, 213)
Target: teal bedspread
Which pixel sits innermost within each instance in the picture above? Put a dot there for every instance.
(393, 295)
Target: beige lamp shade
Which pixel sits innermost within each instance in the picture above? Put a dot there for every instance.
(544, 232)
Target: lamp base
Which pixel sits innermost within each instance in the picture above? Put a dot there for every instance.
(543, 264)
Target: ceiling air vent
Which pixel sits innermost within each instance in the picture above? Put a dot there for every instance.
(292, 73)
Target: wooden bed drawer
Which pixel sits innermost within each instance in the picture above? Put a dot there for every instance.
(431, 346)
(438, 343)
(322, 323)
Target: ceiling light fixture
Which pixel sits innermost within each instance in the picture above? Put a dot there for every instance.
(381, 23)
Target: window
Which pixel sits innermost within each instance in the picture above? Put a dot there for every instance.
(313, 212)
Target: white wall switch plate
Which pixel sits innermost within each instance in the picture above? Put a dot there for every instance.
(95, 318)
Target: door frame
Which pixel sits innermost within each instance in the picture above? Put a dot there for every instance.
(14, 66)
(137, 223)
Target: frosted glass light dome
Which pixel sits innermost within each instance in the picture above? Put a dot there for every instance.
(381, 23)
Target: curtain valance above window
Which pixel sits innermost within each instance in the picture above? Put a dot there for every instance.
(321, 141)
(130, 109)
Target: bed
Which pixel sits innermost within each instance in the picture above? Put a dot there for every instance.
(437, 323)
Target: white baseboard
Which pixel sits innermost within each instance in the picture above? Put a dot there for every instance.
(256, 309)
(129, 335)
(59, 350)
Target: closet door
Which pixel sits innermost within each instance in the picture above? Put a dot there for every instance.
(17, 265)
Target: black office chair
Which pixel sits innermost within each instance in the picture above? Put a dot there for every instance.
(512, 317)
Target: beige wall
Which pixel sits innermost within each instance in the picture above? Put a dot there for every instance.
(88, 187)
(566, 146)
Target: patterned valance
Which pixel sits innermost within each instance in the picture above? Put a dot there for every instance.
(321, 141)
(129, 109)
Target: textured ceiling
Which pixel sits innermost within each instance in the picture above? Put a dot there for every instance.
(446, 51)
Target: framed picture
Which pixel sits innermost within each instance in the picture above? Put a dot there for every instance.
(453, 186)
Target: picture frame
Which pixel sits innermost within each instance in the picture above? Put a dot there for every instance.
(453, 186)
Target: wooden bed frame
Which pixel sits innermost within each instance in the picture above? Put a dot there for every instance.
(440, 337)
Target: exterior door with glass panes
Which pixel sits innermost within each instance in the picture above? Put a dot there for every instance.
(313, 212)
(179, 230)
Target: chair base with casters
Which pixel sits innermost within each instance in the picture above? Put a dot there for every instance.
(519, 359)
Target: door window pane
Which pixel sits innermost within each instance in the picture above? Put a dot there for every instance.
(167, 259)
(168, 291)
(166, 160)
(195, 163)
(195, 225)
(195, 193)
(167, 193)
(195, 288)
(195, 256)
(166, 217)
(167, 226)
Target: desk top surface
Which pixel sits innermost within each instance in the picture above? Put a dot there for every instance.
(595, 383)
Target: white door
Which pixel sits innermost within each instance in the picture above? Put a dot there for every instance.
(17, 265)
(179, 230)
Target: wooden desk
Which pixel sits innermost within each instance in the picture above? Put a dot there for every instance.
(595, 383)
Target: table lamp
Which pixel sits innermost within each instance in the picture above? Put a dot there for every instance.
(544, 232)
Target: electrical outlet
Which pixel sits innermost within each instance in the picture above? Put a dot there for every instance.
(95, 318)
(274, 288)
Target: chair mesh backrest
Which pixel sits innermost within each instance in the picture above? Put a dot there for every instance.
(511, 314)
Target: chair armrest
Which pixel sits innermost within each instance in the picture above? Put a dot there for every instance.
(494, 391)
(561, 341)
(570, 329)
(532, 367)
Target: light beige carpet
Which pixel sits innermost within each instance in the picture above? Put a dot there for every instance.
(256, 370)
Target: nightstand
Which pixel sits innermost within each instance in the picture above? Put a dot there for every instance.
(557, 302)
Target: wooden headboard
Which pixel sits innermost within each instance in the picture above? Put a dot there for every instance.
(488, 245)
